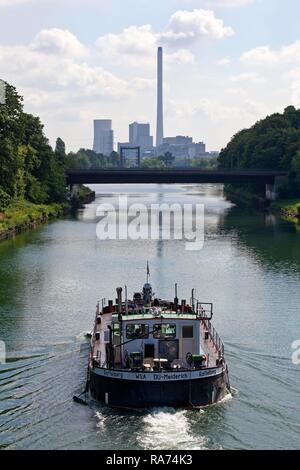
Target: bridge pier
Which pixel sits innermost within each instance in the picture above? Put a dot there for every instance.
(74, 188)
(272, 190)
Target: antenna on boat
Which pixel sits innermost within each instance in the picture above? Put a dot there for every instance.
(176, 296)
(119, 294)
(126, 301)
(148, 272)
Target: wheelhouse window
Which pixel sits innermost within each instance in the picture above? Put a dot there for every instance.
(188, 331)
(137, 331)
(164, 331)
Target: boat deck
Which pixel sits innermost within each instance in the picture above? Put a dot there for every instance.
(209, 342)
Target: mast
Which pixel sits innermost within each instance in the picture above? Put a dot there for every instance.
(148, 272)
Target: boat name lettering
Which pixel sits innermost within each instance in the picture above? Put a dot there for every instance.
(140, 376)
(181, 376)
(116, 375)
(205, 373)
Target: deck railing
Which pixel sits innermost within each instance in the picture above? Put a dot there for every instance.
(214, 336)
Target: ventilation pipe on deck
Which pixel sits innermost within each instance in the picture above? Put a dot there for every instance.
(193, 300)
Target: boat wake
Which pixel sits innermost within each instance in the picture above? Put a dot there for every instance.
(167, 430)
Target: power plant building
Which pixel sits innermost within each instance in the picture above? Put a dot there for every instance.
(182, 147)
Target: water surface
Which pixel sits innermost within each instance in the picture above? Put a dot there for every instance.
(51, 279)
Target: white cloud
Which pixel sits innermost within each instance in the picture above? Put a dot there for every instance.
(136, 45)
(135, 42)
(188, 26)
(182, 57)
(247, 77)
(143, 84)
(224, 61)
(215, 110)
(48, 71)
(265, 56)
(59, 42)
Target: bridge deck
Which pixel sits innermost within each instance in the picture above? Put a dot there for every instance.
(171, 176)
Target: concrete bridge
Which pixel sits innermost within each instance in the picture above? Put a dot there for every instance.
(271, 179)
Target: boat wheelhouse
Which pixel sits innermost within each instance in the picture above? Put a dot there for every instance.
(149, 352)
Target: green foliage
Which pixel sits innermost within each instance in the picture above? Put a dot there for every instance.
(289, 208)
(29, 169)
(4, 200)
(85, 159)
(21, 213)
(60, 150)
(154, 162)
(207, 163)
(272, 143)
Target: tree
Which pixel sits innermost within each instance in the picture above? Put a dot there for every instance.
(28, 166)
(272, 143)
(60, 150)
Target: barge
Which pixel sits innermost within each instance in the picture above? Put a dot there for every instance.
(149, 352)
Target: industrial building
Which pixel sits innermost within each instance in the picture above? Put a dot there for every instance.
(182, 146)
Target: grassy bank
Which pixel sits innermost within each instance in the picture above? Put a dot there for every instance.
(21, 215)
(289, 209)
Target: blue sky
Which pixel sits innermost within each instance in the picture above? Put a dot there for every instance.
(227, 63)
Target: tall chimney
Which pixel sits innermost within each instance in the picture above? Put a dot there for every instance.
(160, 123)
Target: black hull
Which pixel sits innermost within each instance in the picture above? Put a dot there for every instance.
(130, 394)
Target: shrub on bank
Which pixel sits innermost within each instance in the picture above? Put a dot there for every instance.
(20, 214)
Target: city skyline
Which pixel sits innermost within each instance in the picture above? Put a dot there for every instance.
(221, 74)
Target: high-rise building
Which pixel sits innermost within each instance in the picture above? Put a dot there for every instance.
(160, 119)
(103, 136)
(139, 135)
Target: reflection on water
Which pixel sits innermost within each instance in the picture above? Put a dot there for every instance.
(51, 279)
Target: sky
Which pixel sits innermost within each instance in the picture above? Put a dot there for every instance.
(227, 64)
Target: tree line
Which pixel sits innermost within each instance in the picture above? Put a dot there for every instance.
(272, 143)
(29, 168)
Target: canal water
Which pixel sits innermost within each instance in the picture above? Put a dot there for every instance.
(51, 279)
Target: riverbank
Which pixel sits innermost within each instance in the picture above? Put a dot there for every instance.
(84, 196)
(23, 215)
(288, 209)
